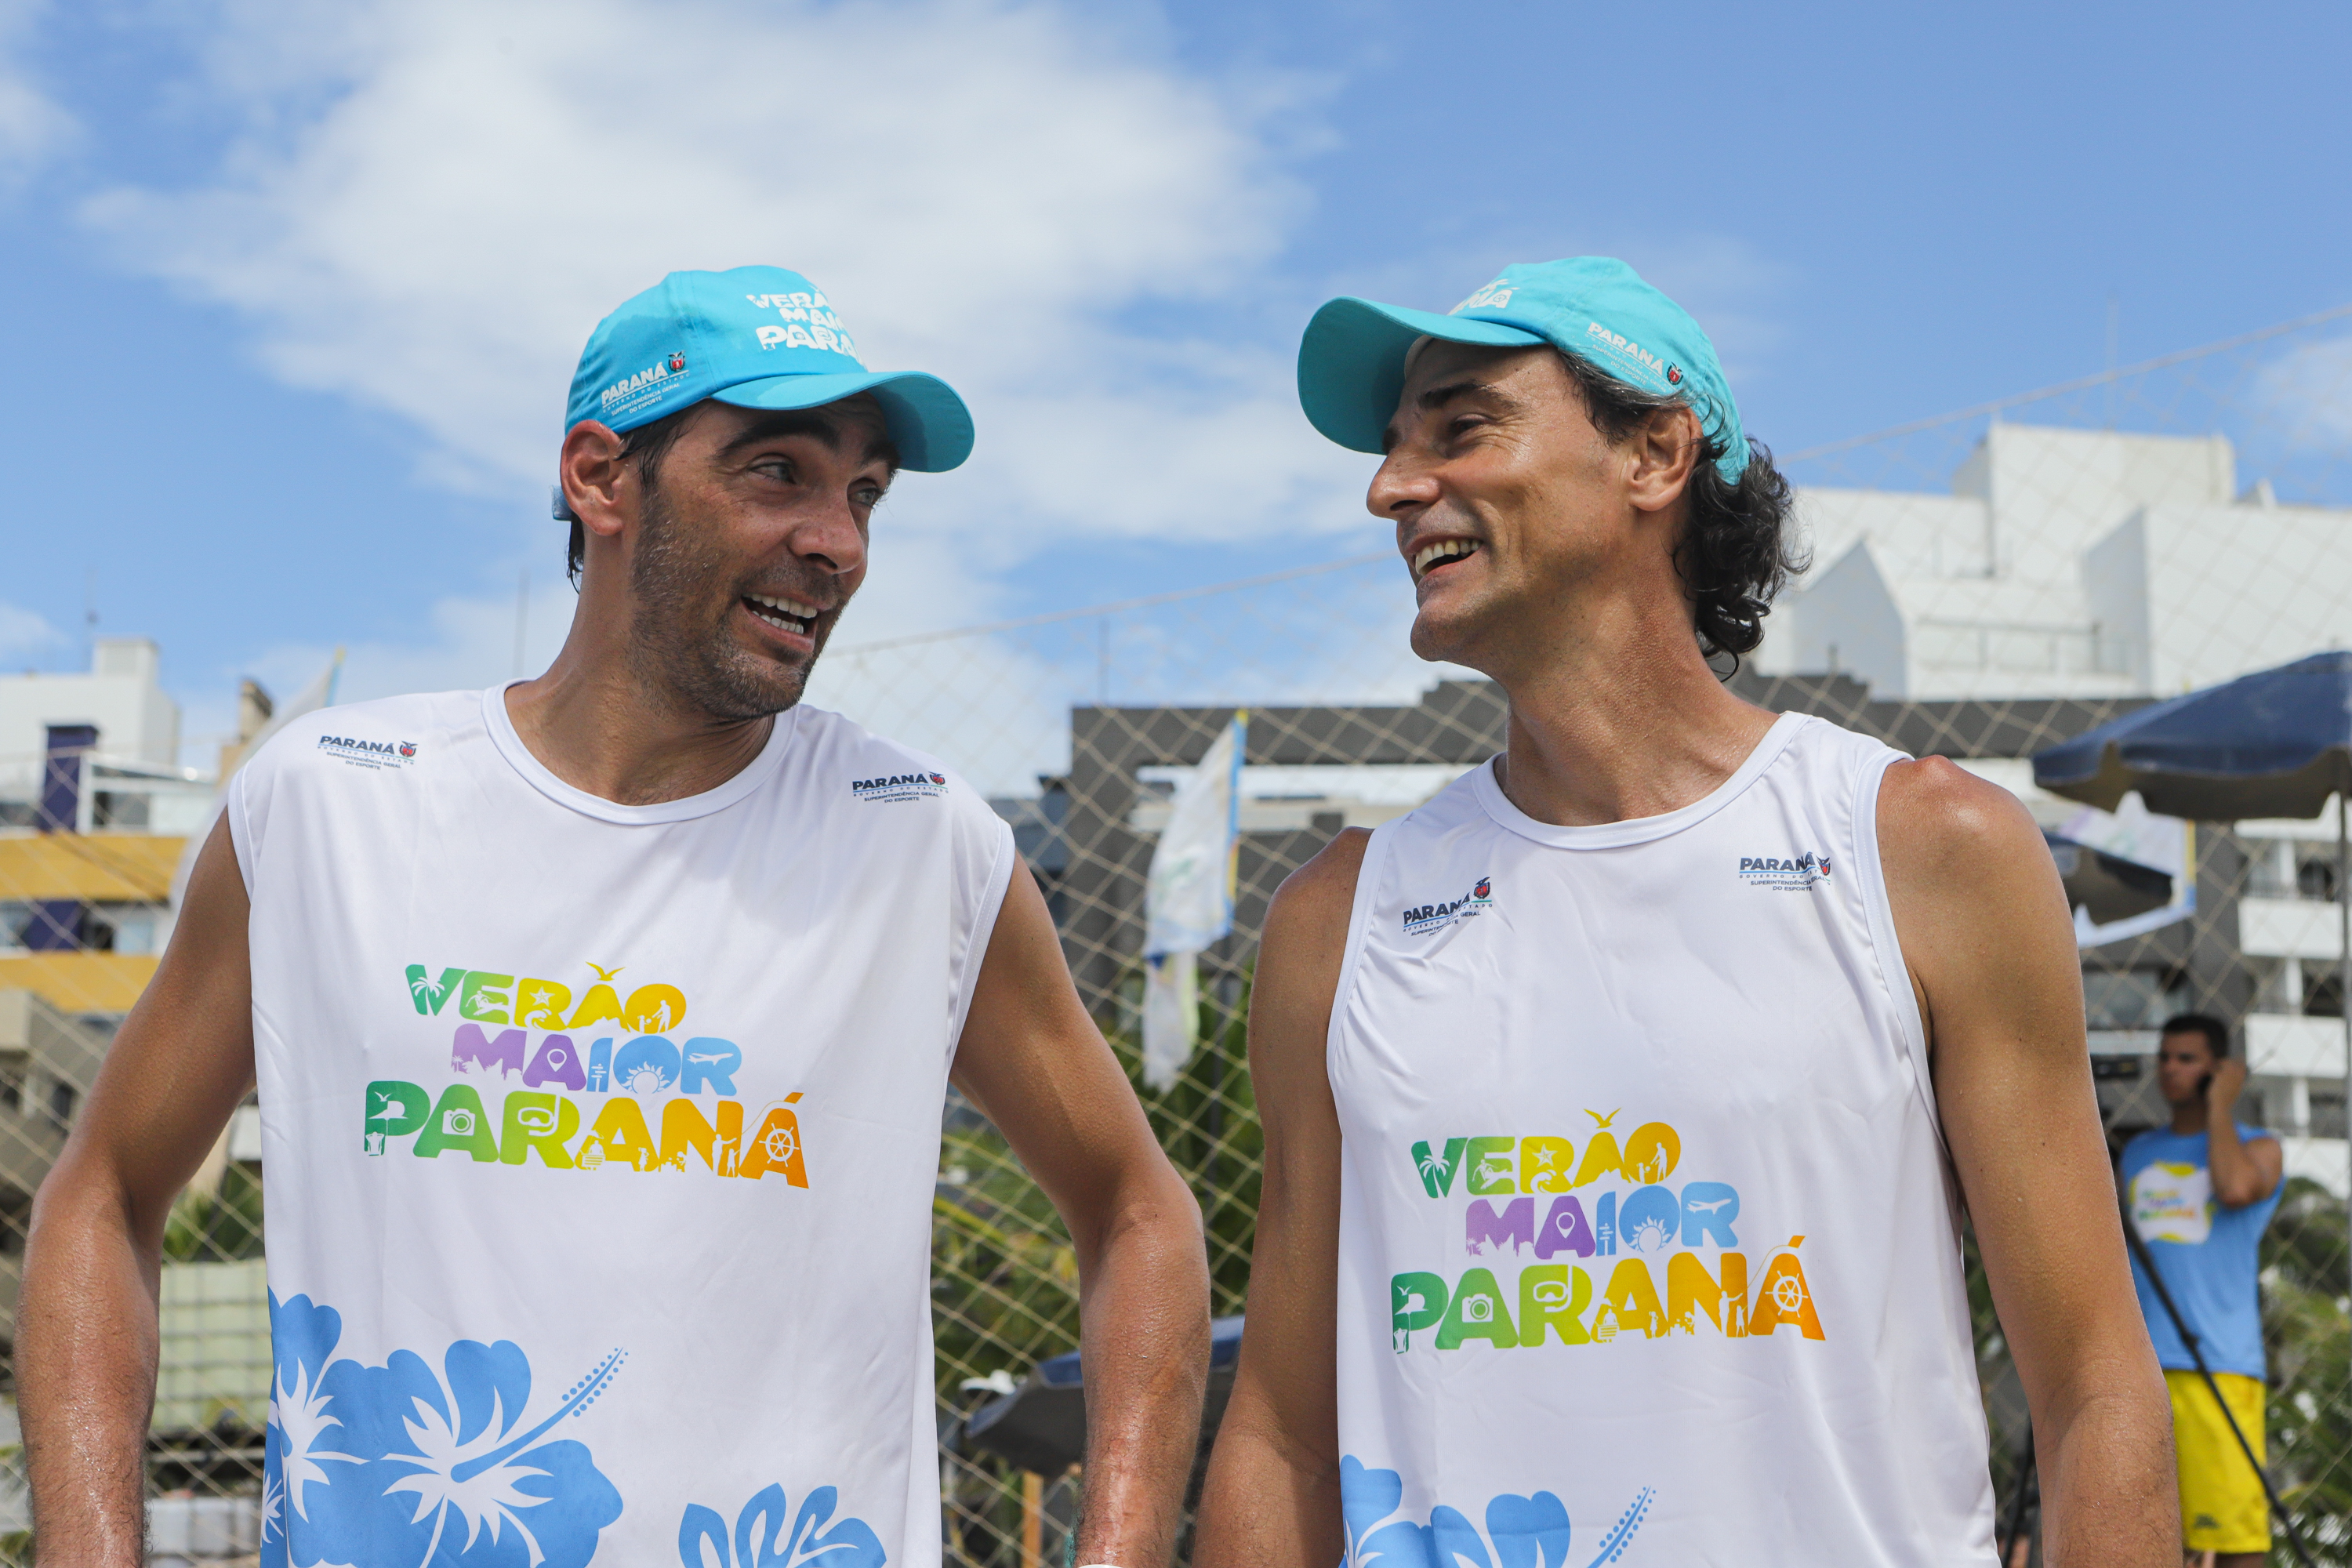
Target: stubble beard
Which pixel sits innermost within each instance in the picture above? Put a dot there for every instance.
(1453, 638)
(673, 648)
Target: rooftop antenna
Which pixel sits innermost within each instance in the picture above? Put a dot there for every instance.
(90, 619)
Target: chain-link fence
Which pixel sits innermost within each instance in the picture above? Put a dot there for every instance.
(1982, 586)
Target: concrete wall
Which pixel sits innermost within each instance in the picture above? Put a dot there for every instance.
(2240, 588)
(1849, 621)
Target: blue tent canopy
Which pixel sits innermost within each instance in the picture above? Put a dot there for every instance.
(2274, 744)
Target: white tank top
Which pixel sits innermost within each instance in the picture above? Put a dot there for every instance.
(1648, 1240)
(600, 1143)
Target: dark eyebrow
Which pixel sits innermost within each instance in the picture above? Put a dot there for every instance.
(812, 422)
(1438, 396)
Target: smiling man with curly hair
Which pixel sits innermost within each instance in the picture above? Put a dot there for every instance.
(1620, 1100)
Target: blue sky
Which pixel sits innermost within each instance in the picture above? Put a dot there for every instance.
(294, 288)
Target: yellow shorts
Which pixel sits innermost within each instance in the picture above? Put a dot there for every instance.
(2222, 1508)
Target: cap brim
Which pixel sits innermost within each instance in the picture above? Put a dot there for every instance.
(1352, 363)
(929, 423)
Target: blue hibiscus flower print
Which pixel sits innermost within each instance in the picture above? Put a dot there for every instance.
(761, 1541)
(404, 1466)
(1521, 1531)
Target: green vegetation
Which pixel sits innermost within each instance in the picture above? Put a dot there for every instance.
(220, 1227)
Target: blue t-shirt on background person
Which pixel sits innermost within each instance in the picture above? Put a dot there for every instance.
(2209, 1253)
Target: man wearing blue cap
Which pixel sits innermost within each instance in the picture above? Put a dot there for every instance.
(602, 1025)
(1620, 1101)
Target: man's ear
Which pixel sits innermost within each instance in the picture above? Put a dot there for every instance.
(598, 481)
(1666, 453)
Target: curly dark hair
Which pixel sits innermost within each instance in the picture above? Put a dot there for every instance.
(645, 445)
(1738, 549)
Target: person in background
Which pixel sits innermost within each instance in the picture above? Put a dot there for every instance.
(2201, 1192)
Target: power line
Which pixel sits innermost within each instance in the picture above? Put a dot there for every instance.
(2082, 383)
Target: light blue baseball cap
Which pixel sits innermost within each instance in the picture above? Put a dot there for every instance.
(757, 337)
(1352, 363)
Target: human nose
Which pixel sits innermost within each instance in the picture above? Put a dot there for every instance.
(1401, 484)
(833, 541)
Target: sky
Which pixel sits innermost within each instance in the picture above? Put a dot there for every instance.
(294, 289)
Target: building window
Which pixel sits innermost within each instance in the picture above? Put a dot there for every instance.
(113, 808)
(97, 934)
(62, 1097)
(2322, 993)
(2315, 879)
(2326, 1110)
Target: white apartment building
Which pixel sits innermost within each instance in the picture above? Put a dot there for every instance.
(2065, 563)
(133, 778)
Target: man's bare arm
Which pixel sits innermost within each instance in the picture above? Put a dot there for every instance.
(1985, 931)
(1033, 1061)
(2242, 1173)
(1273, 1492)
(86, 1327)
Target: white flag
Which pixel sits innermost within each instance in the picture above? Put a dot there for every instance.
(1171, 1014)
(1189, 900)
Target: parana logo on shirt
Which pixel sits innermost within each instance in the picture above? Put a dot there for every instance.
(1423, 917)
(1790, 872)
(899, 786)
(601, 1063)
(363, 753)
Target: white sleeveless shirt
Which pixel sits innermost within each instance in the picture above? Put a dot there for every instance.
(1648, 1240)
(600, 1143)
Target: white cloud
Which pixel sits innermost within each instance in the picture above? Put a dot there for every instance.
(23, 632)
(2304, 395)
(33, 127)
(432, 201)
(436, 199)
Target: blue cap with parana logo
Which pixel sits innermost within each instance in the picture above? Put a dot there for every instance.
(757, 337)
(1352, 363)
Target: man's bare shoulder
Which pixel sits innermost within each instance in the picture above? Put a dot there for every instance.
(1936, 818)
(1318, 895)
(1974, 892)
(1298, 966)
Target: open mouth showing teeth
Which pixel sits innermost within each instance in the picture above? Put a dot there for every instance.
(785, 615)
(1440, 552)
